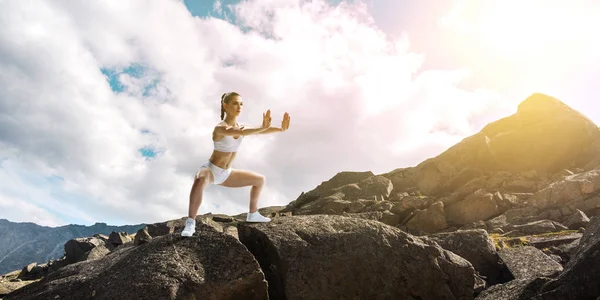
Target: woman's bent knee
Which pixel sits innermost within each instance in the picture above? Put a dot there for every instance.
(261, 180)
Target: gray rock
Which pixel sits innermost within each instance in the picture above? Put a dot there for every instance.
(518, 289)
(476, 247)
(529, 262)
(212, 265)
(336, 257)
(577, 220)
(581, 277)
(536, 227)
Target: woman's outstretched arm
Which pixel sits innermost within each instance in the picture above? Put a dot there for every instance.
(228, 130)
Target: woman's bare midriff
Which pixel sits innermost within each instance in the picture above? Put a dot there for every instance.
(222, 160)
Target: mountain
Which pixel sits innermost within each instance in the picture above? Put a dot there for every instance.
(511, 212)
(24, 243)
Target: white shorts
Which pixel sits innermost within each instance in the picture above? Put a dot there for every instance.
(219, 174)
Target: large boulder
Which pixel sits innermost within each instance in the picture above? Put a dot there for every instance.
(480, 205)
(529, 262)
(336, 257)
(211, 265)
(77, 249)
(580, 279)
(430, 220)
(477, 247)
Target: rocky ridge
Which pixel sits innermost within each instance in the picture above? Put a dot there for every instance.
(512, 212)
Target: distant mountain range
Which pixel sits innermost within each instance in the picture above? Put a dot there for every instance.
(24, 243)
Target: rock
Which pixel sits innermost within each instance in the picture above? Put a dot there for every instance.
(142, 236)
(427, 177)
(33, 271)
(536, 227)
(539, 126)
(553, 240)
(325, 188)
(577, 187)
(390, 218)
(497, 231)
(466, 190)
(410, 203)
(463, 177)
(371, 215)
(160, 229)
(515, 216)
(76, 249)
(504, 202)
(379, 206)
(336, 257)
(578, 281)
(518, 289)
(232, 231)
(341, 199)
(401, 185)
(430, 220)
(520, 185)
(102, 237)
(118, 238)
(476, 247)
(577, 220)
(6, 287)
(478, 206)
(212, 266)
(529, 262)
(223, 219)
(330, 205)
(560, 175)
(474, 225)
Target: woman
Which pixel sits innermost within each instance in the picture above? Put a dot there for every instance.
(227, 137)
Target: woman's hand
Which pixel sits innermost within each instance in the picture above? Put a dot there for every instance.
(285, 124)
(266, 119)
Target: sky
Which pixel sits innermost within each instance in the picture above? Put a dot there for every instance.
(107, 107)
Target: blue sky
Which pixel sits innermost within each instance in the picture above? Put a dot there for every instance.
(112, 122)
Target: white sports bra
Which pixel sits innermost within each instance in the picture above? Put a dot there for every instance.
(228, 143)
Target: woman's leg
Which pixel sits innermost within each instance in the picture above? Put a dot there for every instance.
(203, 178)
(242, 178)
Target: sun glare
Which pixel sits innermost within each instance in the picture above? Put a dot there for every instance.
(527, 29)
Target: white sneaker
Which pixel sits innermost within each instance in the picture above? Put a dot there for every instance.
(190, 227)
(257, 217)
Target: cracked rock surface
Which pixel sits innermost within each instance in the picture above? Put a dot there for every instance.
(336, 257)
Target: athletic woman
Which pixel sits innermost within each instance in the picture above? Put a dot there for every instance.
(227, 137)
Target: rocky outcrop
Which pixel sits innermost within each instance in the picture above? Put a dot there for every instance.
(539, 123)
(212, 266)
(335, 257)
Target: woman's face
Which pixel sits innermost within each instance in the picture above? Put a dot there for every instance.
(234, 107)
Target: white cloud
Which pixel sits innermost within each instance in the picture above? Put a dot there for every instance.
(355, 96)
(17, 210)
